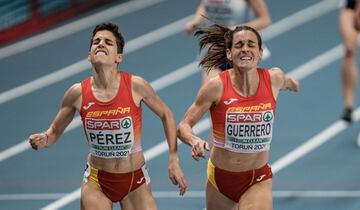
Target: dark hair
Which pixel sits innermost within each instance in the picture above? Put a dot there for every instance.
(114, 29)
(219, 38)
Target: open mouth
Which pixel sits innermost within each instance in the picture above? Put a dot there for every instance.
(245, 58)
(100, 52)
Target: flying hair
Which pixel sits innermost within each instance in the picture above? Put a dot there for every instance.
(218, 39)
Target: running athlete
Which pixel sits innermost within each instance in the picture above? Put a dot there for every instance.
(242, 104)
(109, 103)
(349, 21)
(229, 13)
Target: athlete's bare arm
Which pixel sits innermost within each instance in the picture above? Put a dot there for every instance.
(70, 103)
(263, 18)
(208, 95)
(143, 91)
(280, 81)
(198, 18)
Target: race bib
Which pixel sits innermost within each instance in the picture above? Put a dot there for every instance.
(110, 138)
(249, 132)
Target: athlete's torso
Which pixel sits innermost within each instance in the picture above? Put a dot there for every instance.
(228, 12)
(112, 128)
(244, 124)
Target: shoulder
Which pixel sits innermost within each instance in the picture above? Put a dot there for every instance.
(138, 82)
(73, 95)
(75, 90)
(211, 89)
(214, 83)
(141, 88)
(276, 73)
(277, 76)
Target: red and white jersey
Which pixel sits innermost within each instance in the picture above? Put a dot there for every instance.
(112, 128)
(244, 124)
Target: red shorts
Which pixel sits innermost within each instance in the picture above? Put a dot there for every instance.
(234, 184)
(117, 185)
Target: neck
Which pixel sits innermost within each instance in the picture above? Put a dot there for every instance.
(246, 82)
(105, 77)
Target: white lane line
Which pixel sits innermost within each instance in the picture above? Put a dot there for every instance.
(201, 194)
(313, 143)
(280, 27)
(80, 66)
(68, 198)
(317, 194)
(176, 76)
(299, 18)
(31, 196)
(76, 26)
(162, 147)
(276, 194)
(44, 81)
(321, 61)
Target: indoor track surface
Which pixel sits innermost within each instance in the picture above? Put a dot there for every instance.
(314, 155)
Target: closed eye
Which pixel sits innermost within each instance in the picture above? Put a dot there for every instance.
(107, 41)
(96, 41)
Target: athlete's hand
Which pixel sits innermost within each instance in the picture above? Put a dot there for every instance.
(190, 27)
(198, 149)
(291, 84)
(38, 140)
(176, 175)
(295, 85)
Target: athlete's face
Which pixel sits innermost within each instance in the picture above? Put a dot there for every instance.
(103, 49)
(245, 52)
